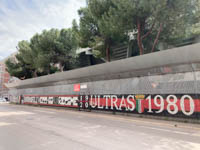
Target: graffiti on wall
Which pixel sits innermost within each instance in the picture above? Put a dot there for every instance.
(149, 103)
(67, 101)
(153, 104)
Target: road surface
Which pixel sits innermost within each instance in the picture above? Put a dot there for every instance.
(36, 128)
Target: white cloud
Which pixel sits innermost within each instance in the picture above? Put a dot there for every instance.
(21, 19)
(1, 57)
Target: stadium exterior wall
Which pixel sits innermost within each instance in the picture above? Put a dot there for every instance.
(162, 83)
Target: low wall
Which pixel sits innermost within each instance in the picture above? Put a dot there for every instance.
(161, 84)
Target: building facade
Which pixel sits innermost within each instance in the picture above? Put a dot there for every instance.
(4, 78)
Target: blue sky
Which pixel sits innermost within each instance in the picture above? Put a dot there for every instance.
(21, 19)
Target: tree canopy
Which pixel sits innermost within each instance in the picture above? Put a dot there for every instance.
(94, 30)
(46, 53)
(112, 21)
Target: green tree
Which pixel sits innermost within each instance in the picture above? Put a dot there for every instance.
(19, 67)
(46, 53)
(111, 22)
(153, 20)
(67, 45)
(54, 49)
(23, 66)
(94, 30)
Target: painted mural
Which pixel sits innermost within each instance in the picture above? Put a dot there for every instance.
(186, 105)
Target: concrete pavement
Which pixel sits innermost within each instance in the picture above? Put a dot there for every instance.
(36, 128)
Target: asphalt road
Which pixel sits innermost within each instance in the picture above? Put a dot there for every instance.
(36, 128)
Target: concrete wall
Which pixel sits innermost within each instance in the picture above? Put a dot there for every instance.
(172, 76)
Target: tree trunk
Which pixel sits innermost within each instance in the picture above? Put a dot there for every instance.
(157, 37)
(48, 69)
(108, 52)
(139, 40)
(149, 32)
